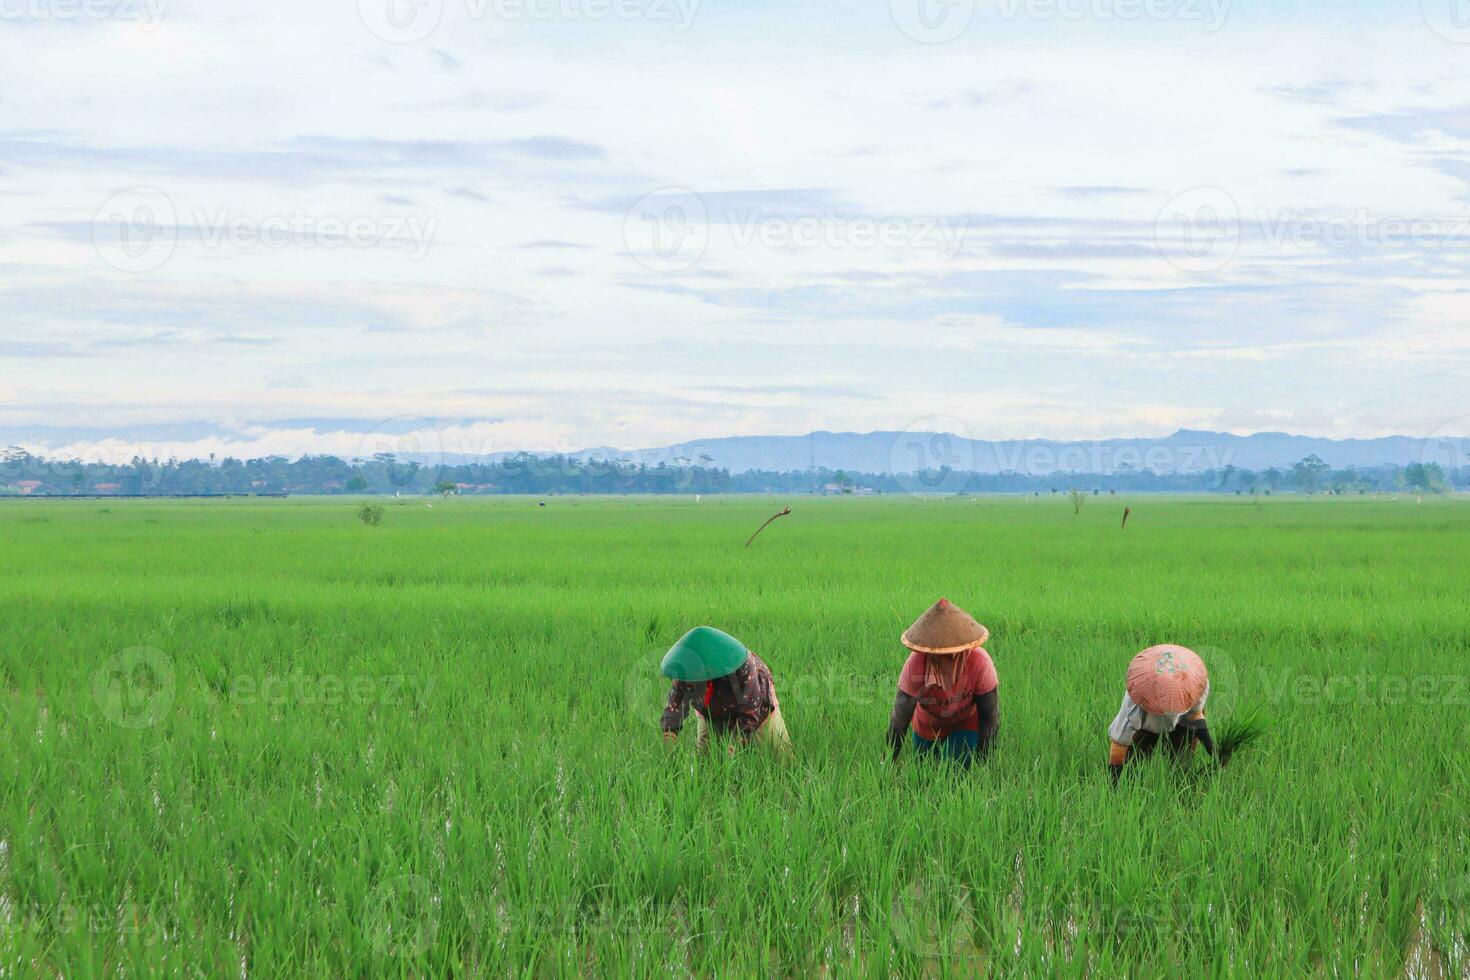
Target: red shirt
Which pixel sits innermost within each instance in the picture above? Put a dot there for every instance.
(942, 711)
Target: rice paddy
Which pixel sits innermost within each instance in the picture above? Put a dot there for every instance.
(269, 739)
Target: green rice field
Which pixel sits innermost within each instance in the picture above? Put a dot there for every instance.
(264, 739)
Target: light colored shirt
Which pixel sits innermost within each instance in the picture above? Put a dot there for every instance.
(1132, 719)
(942, 711)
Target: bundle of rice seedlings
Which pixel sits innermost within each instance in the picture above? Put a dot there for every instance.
(1238, 733)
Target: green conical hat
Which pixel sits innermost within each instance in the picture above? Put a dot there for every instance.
(704, 654)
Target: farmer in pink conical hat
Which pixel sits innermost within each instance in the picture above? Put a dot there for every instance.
(948, 689)
(1166, 692)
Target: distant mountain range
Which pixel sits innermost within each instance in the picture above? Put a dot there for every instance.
(1185, 451)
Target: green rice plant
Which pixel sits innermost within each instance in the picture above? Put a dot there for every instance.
(254, 738)
(1239, 732)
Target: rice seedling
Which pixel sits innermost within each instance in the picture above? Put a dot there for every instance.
(254, 739)
(1238, 733)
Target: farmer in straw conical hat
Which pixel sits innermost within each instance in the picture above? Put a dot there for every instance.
(730, 689)
(1165, 698)
(947, 691)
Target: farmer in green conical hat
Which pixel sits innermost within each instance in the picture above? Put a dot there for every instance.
(730, 689)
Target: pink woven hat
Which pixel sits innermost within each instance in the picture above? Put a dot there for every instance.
(1167, 679)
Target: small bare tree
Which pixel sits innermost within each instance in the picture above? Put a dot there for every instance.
(1078, 498)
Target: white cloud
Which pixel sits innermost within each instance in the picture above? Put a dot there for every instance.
(1051, 144)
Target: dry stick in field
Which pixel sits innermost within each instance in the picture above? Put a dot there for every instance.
(1126, 512)
(767, 524)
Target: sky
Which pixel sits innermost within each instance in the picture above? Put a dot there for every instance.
(630, 223)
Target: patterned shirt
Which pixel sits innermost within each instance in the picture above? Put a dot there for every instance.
(1132, 719)
(740, 702)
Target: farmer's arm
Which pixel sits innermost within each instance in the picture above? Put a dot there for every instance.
(988, 705)
(677, 709)
(1196, 723)
(1117, 755)
(898, 722)
(1120, 735)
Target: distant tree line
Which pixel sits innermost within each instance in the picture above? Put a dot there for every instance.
(22, 472)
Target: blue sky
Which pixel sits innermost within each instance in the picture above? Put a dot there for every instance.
(635, 222)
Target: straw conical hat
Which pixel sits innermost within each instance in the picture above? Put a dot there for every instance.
(704, 654)
(1167, 679)
(944, 628)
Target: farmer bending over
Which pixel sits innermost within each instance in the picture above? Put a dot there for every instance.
(1165, 697)
(947, 690)
(729, 688)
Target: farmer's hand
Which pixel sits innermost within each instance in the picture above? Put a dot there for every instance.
(670, 738)
(1117, 755)
(1225, 757)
